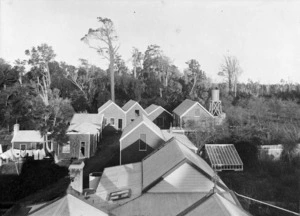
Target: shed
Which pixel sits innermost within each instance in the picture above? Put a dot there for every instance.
(223, 157)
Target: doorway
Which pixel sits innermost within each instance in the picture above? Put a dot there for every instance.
(120, 124)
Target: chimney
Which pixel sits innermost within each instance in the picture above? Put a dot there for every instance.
(76, 175)
(16, 128)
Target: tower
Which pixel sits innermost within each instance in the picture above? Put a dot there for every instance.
(215, 106)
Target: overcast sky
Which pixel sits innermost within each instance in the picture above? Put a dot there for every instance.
(263, 35)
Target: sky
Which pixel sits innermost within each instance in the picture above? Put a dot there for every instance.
(263, 35)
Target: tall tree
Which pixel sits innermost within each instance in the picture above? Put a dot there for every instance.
(231, 70)
(137, 58)
(40, 57)
(103, 40)
(194, 74)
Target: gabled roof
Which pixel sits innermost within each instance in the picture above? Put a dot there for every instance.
(84, 128)
(223, 154)
(28, 136)
(67, 206)
(107, 105)
(118, 178)
(154, 111)
(92, 118)
(139, 121)
(151, 108)
(173, 153)
(214, 204)
(181, 138)
(128, 105)
(186, 105)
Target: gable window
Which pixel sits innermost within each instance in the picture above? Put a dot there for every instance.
(117, 195)
(112, 121)
(137, 113)
(142, 143)
(132, 120)
(197, 112)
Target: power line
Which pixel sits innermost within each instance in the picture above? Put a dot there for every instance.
(294, 213)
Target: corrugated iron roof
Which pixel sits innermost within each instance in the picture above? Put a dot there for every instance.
(214, 204)
(28, 136)
(138, 121)
(93, 118)
(223, 154)
(128, 105)
(154, 111)
(183, 107)
(167, 157)
(104, 106)
(68, 206)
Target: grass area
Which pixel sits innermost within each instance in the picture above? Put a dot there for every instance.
(275, 182)
(106, 155)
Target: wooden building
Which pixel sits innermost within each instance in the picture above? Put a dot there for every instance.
(161, 117)
(191, 114)
(133, 110)
(114, 115)
(139, 139)
(84, 135)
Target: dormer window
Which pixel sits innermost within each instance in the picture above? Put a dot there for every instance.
(118, 195)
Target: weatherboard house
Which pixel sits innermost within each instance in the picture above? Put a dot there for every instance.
(84, 135)
(172, 180)
(28, 143)
(133, 110)
(190, 114)
(139, 139)
(161, 117)
(143, 136)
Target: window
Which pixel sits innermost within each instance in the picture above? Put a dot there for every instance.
(112, 121)
(82, 150)
(137, 113)
(66, 148)
(197, 112)
(23, 147)
(142, 143)
(132, 120)
(119, 195)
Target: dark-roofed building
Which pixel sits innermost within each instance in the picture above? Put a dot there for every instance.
(133, 110)
(190, 114)
(161, 117)
(223, 157)
(114, 115)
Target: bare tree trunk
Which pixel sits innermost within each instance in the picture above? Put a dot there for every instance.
(112, 77)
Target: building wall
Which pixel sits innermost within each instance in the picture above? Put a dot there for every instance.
(152, 139)
(115, 112)
(190, 119)
(130, 145)
(29, 145)
(176, 120)
(167, 119)
(132, 115)
(75, 140)
(132, 154)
